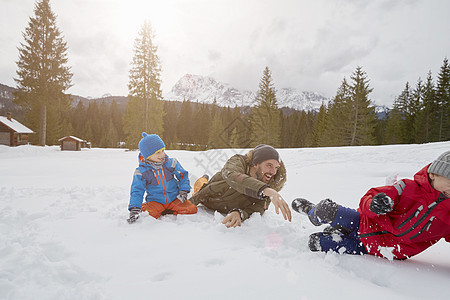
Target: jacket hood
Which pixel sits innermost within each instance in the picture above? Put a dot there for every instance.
(423, 179)
(278, 180)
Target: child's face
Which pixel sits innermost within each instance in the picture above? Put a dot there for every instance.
(440, 183)
(158, 156)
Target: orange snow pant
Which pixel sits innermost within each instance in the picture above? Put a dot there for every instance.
(156, 209)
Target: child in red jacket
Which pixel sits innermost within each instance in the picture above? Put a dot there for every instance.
(395, 222)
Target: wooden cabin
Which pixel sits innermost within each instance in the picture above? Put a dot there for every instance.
(73, 143)
(12, 132)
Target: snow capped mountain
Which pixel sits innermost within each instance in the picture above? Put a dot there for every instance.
(300, 100)
(205, 89)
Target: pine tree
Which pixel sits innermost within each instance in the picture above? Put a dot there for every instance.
(319, 126)
(234, 139)
(399, 126)
(184, 123)
(416, 106)
(428, 113)
(351, 116)
(216, 139)
(170, 123)
(110, 138)
(116, 118)
(292, 139)
(202, 126)
(284, 134)
(145, 109)
(302, 130)
(43, 74)
(339, 115)
(265, 118)
(443, 101)
(78, 120)
(362, 113)
(394, 128)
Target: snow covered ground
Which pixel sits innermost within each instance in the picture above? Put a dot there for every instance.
(64, 235)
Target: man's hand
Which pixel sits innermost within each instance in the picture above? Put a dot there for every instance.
(233, 219)
(279, 203)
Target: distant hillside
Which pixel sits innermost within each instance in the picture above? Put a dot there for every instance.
(120, 100)
(7, 103)
(199, 89)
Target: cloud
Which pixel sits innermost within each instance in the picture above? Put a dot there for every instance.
(214, 55)
(309, 45)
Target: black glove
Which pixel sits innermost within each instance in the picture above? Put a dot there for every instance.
(381, 204)
(134, 214)
(182, 195)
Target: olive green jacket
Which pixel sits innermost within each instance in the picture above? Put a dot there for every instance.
(234, 189)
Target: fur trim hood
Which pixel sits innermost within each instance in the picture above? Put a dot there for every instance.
(278, 180)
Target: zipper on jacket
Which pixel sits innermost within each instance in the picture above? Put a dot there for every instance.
(424, 228)
(414, 215)
(156, 176)
(164, 186)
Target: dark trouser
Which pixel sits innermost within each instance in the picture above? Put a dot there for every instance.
(343, 236)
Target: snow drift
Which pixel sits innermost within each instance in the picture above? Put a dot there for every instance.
(64, 233)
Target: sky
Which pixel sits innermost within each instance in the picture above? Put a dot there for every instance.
(309, 45)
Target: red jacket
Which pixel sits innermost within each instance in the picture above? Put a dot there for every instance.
(421, 217)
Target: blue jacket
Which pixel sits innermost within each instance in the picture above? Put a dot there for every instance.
(162, 185)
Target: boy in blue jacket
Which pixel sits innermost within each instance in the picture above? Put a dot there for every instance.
(163, 179)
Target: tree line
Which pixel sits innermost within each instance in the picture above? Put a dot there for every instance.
(419, 115)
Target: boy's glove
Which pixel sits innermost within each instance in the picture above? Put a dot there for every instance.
(182, 196)
(381, 204)
(134, 214)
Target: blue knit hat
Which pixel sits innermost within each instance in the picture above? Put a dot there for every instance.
(150, 144)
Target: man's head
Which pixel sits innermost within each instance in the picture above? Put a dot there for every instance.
(439, 172)
(152, 147)
(265, 163)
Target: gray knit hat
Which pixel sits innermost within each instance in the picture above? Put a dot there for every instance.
(264, 152)
(441, 166)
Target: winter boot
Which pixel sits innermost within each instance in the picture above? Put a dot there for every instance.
(325, 211)
(314, 242)
(200, 183)
(303, 206)
(322, 213)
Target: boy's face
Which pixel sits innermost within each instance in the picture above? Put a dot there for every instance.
(158, 157)
(440, 183)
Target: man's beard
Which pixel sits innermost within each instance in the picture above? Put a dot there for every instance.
(260, 176)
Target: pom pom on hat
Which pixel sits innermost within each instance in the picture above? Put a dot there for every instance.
(441, 166)
(264, 152)
(150, 144)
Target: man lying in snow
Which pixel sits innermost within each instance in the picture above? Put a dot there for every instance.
(246, 184)
(396, 221)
